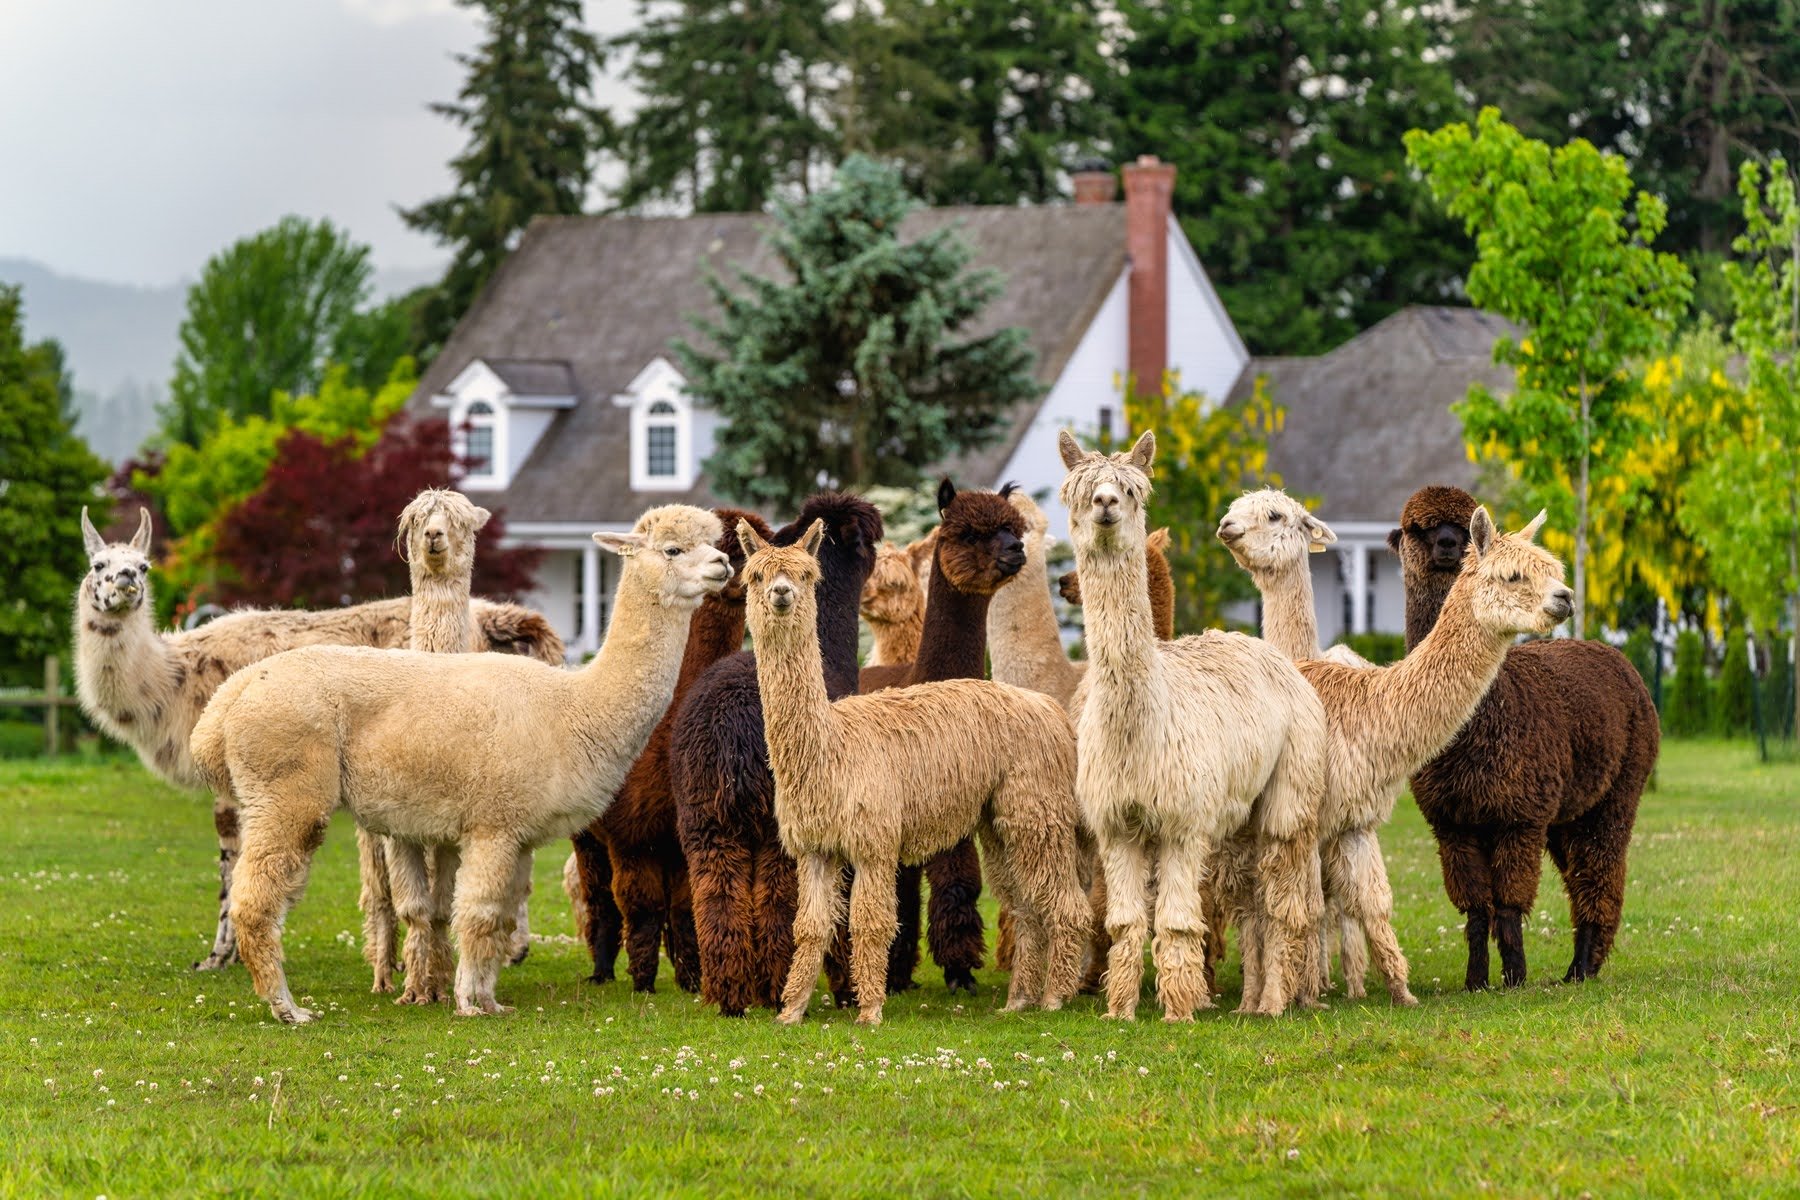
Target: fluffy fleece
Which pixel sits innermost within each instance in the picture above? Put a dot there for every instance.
(871, 781)
(517, 754)
(1201, 749)
(1556, 757)
(893, 603)
(147, 689)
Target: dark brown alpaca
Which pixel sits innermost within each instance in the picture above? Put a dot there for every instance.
(649, 872)
(1556, 757)
(743, 882)
(979, 547)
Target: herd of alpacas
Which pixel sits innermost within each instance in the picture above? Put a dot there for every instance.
(767, 816)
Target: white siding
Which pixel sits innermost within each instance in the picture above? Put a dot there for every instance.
(1204, 347)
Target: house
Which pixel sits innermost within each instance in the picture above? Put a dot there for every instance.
(563, 387)
(1366, 425)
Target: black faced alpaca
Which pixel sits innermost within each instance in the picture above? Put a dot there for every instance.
(980, 547)
(1555, 757)
(743, 882)
(648, 871)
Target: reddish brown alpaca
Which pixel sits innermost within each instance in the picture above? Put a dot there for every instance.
(1555, 757)
(649, 875)
(980, 547)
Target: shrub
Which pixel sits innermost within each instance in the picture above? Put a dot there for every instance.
(1686, 714)
(1640, 648)
(1378, 648)
(1733, 714)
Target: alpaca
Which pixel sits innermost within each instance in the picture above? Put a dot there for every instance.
(1160, 584)
(978, 548)
(520, 753)
(147, 689)
(1386, 722)
(649, 875)
(871, 781)
(893, 603)
(921, 553)
(1204, 746)
(742, 882)
(1556, 757)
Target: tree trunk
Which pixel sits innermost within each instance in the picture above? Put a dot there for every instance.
(1581, 517)
(1794, 606)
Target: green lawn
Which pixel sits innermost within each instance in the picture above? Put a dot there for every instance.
(122, 1073)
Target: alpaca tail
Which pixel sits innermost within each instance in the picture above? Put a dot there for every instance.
(207, 743)
(515, 629)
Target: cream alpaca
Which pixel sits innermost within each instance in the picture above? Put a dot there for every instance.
(517, 753)
(1278, 534)
(898, 776)
(893, 603)
(1386, 722)
(147, 689)
(1189, 750)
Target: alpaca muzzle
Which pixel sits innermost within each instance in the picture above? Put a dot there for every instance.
(1561, 605)
(1230, 532)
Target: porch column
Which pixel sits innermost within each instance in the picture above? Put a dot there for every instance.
(1359, 587)
(590, 598)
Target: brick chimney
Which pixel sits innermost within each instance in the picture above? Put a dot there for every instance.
(1149, 188)
(1096, 186)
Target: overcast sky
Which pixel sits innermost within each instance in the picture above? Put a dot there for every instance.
(138, 137)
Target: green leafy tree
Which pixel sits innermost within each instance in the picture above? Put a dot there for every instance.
(1563, 247)
(1284, 123)
(735, 99)
(854, 367)
(262, 319)
(533, 139)
(1686, 713)
(1744, 504)
(46, 474)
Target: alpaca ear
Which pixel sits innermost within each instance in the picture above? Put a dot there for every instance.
(1531, 531)
(946, 493)
(140, 541)
(1481, 530)
(1070, 449)
(1393, 540)
(1144, 451)
(90, 537)
(815, 534)
(1318, 534)
(747, 539)
(622, 544)
(482, 516)
(1158, 540)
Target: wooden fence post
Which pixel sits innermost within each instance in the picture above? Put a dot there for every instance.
(52, 709)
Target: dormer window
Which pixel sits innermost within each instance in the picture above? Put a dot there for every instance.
(668, 436)
(478, 439)
(661, 430)
(498, 409)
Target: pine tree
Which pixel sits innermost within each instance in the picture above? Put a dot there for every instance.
(533, 139)
(735, 94)
(850, 370)
(1686, 714)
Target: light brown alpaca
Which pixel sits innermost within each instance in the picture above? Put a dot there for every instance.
(1204, 749)
(1386, 722)
(893, 603)
(496, 755)
(898, 776)
(147, 688)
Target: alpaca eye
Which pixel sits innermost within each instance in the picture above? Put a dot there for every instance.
(1515, 577)
(673, 552)
(1275, 516)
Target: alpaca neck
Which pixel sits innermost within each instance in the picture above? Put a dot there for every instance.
(628, 683)
(441, 620)
(717, 631)
(798, 722)
(1120, 631)
(1289, 622)
(126, 675)
(1024, 637)
(896, 641)
(837, 596)
(1438, 686)
(955, 634)
(1426, 592)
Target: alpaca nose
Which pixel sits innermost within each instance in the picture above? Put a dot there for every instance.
(127, 574)
(781, 595)
(1230, 531)
(1562, 603)
(1106, 510)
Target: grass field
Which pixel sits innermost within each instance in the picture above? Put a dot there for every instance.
(122, 1073)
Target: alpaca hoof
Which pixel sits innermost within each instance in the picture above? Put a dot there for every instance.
(293, 1014)
(1016, 1006)
(646, 988)
(792, 1017)
(597, 977)
(216, 962)
(1052, 1004)
(519, 955)
(1178, 1018)
(469, 1010)
(868, 1018)
(959, 979)
(1316, 1004)
(1109, 1015)
(1353, 991)
(382, 987)
(1405, 999)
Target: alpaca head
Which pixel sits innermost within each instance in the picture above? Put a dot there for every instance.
(1434, 529)
(437, 533)
(980, 539)
(118, 577)
(1269, 530)
(779, 583)
(1106, 495)
(733, 549)
(892, 595)
(670, 553)
(1518, 585)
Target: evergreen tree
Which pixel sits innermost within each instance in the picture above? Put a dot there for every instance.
(46, 474)
(1284, 121)
(533, 138)
(1685, 714)
(852, 368)
(1733, 711)
(734, 101)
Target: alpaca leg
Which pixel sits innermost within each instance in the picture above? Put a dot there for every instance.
(775, 890)
(815, 922)
(872, 928)
(483, 916)
(1099, 941)
(1027, 985)
(1518, 862)
(1353, 954)
(638, 889)
(903, 958)
(1003, 939)
(225, 823)
(1468, 882)
(520, 945)
(604, 924)
(404, 866)
(1042, 869)
(376, 899)
(444, 861)
(1361, 881)
(837, 954)
(271, 873)
(958, 938)
(1593, 870)
(684, 949)
(1127, 868)
(722, 923)
(1179, 947)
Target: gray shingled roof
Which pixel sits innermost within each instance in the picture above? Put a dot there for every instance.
(535, 377)
(605, 295)
(1369, 422)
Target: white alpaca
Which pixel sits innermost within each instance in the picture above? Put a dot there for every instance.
(147, 688)
(1386, 722)
(1187, 748)
(495, 755)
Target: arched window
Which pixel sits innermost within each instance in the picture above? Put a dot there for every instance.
(478, 439)
(661, 424)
